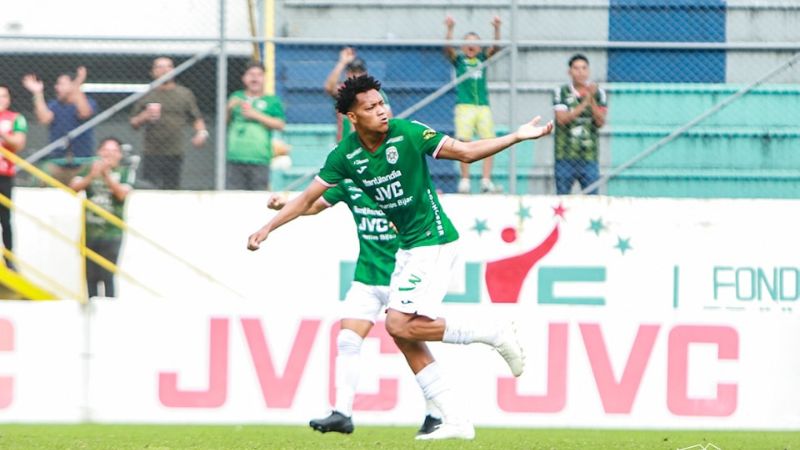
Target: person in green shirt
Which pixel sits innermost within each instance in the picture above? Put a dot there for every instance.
(472, 114)
(366, 299)
(107, 184)
(251, 118)
(386, 160)
(580, 109)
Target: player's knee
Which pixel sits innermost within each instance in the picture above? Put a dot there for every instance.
(348, 342)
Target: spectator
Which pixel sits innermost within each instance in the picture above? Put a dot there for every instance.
(70, 109)
(165, 112)
(107, 184)
(352, 66)
(472, 114)
(580, 109)
(252, 116)
(13, 135)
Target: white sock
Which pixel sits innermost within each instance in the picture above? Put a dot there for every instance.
(348, 367)
(467, 332)
(432, 410)
(436, 390)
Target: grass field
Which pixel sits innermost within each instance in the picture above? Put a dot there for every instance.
(164, 437)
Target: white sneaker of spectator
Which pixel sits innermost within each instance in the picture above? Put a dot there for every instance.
(487, 187)
(464, 186)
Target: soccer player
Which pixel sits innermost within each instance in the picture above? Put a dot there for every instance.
(386, 159)
(366, 299)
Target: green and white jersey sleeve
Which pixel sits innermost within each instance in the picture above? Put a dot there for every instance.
(377, 241)
(395, 176)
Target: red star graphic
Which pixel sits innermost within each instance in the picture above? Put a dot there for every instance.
(558, 211)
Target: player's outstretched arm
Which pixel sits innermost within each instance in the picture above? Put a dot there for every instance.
(278, 201)
(289, 212)
(469, 152)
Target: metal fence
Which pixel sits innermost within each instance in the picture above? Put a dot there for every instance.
(701, 95)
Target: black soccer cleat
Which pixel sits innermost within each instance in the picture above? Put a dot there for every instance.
(336, 421)
(429, 425)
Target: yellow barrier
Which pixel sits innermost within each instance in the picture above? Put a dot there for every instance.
(60, 291)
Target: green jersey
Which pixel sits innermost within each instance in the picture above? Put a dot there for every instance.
(249, 141)
(395, 175)
(377, 242)
(99, 193)
(579, 139)
(471, 91)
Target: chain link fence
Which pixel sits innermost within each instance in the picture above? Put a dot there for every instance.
(692, 98)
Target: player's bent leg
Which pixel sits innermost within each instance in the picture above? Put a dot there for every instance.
(414, 327)
(502, 337)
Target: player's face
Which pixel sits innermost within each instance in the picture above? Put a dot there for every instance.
(160, 67)
(471, 50)
(579, 72)
(253, 79)
(110, 152)
(369, 113)
(5, 99)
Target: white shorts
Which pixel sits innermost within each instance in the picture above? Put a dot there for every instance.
(365, 302)
(421, 279)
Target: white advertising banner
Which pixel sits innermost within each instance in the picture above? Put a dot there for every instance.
(635, 313)
(271, 362)
(42, 372)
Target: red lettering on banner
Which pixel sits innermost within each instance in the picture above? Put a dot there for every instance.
(6, 345)
(618, 397)
(279, 391)
(217, 391)
(556, 397)
(386, 397)
(678, 401)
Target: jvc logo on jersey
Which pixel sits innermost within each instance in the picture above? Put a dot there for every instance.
(374, 224)
(389, 191)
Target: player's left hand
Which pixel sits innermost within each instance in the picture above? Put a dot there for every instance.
(531, 130)
(255, 239)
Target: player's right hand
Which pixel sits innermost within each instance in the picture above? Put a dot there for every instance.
(276, 201)
(255, 239)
